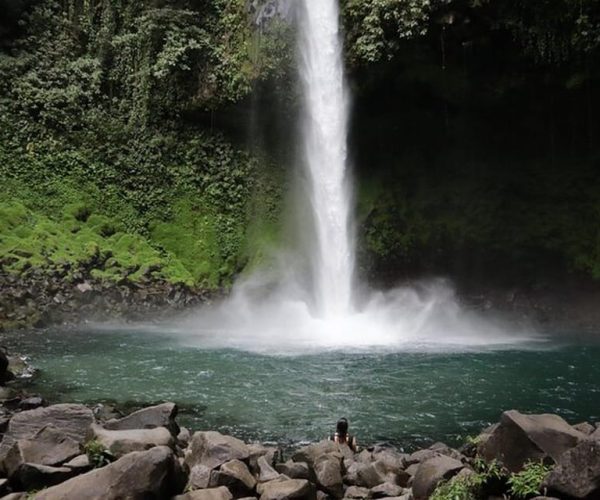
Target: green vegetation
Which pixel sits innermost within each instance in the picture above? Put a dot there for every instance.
(97, 454)
(528, 482)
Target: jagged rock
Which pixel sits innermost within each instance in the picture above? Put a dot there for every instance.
(290, 489)
(356, 492)
(444, 449)
(585, 428)
(145, 474)
(36, 477)
(431, 472)
(393, 461)
(235, 476)
(374, 474)
(328, 472)
(258, 451)
(120, 443)
(220, 493)
(199, 477)
(365, 456)
(213, 449)
(411, 470)
(184, 437)
(294, 470)
(577, 473)
(386, 490)
(72, 420)
(420, 456)
(49, 446)
(520, 438)
(162, 415)
(265, 471)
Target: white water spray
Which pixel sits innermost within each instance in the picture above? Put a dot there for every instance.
(275, 311)
(325, 130)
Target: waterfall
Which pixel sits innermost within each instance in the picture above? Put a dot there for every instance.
(324, 137)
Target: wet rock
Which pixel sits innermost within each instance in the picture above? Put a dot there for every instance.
(328, 472)
(73, 421)
(520, 438)
(577, 473)
(32, 403)
(386, 490)
(213, 449)
(431, 473)
(235, 476)
(221, 493)
(120, 443)
(146, 474)
(36, 476)
(294, 470)
(162, 415)
(290, 489)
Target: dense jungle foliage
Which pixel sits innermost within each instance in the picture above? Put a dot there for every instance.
(153, 137)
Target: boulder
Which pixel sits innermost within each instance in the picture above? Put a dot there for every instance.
(392, 460)
(32, 403)
(328, 473)
(258, 451)
(289, 489)
(431, 472)
(309, 454)
(235, 476)
(373, 474)
(49, 446)
(356, 492)
(444, 449)
(420, 456)
(120, 443)
(213, 449)
(162, 415)
(184, 437)
(199, 477)
(71, 420)
(220, 493)
(585, 428)
(80, 463)
(520, 438)
(21, 495)
(265, 471)
(35, 476)
(145, 474)
(577, 473)
(386, 490)
(294, 470)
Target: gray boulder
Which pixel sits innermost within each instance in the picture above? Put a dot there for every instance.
(420, 456)
(199, 477)
(49, 446)
(356, 492)
(235, 476)
(213, 449)
(71, 420)
(162, 415)
(220, 493)
(520, 438)
(585, 428)
(431, 472)
(288, 489)
(386, 490)
(144, 475)
(328, 473)
(120, 443)
(80, 463)
(294, 470)
(184, 437)
(577, 473)
(265, 471)
(309, 454)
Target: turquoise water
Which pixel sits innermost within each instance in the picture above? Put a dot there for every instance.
(406, 398)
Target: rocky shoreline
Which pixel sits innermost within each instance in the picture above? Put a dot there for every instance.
(40, 300)
(73, 451)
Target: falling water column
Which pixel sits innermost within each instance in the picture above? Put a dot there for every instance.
(324, 136)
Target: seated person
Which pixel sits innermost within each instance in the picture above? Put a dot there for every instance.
(341, 435)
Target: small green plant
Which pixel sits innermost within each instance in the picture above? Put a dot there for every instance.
(460, 488)
(97, 454)
(528, 482)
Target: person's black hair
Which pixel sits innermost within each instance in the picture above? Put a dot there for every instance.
(342, 427)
